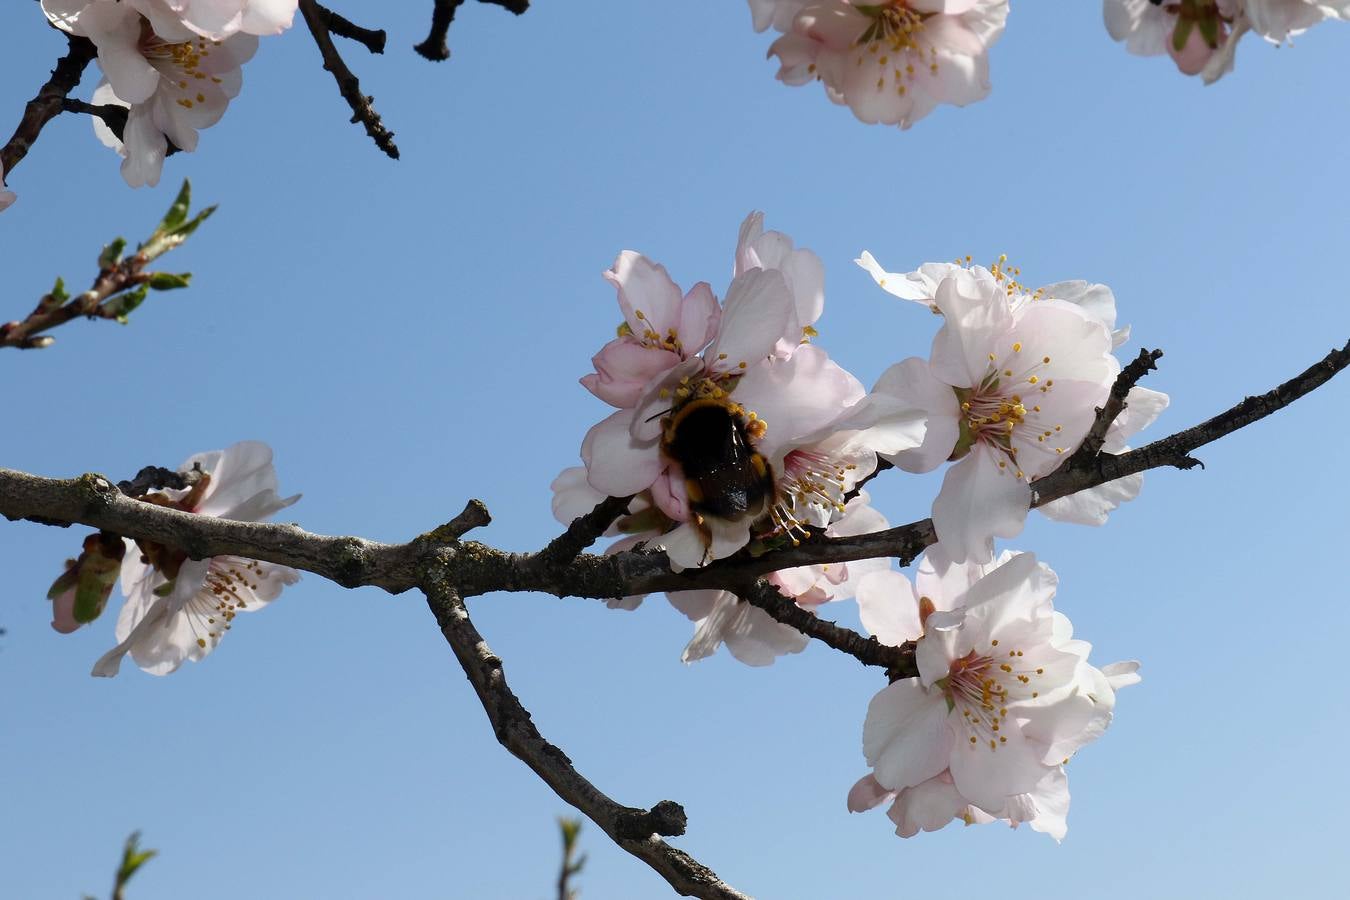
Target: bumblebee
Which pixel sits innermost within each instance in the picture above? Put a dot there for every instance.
(713, 441)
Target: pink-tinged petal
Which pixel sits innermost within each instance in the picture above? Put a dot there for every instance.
(116, 30)
(910, 385)
(1142, 408)
(1094, 505)
(649, 298)
(669, 494)
(143, 149)
(797, 56)
(889, 608)
(140, 622)
(268, 16)
(756, 314)
(867, 794)
(749, 633)
(905, 735)
(685, 547)
(1122, 674)
(905, 285)
(616, 465)
(700, 316)
(213, 19)
(976, 318)
(1052, 804)
(63, 612)
(796, 581)
(243, 482)
(944, 582)
(623, 369)
(945, 7)
(1012, 604)
(777, 14)
(988, 775)
(979, 500)
(1096, 300)
(573, 495)
(796, 397)
(929, 806)
(64, 14)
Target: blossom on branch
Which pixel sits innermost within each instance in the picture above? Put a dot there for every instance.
(172, 80)
(890, 62)
(1011, 387)
(1202, 36)
(1004, 697)
(728, 417)
(179, 608)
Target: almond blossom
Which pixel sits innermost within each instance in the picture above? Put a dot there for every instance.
(1202, 36)
(781, 397)
(891, 62)
(1004, 697)
(751, 634)
(911, 380)
(178, 608)
(1012, 385)
(172, 80)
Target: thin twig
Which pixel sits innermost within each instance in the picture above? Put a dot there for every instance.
(516, 732)
(435, 47)
(47, 104)
(362, 107)
(581, 533)
(372, 39)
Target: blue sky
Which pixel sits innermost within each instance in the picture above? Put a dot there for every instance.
(407, 335)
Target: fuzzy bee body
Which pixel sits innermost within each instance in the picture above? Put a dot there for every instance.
(713, 443)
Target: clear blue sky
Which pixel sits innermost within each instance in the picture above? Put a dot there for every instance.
(407, 335)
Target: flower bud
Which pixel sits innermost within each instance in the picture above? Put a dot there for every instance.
(79, 595)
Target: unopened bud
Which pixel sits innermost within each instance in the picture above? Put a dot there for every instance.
(80, 594)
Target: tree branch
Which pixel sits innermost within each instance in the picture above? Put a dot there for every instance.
(349, 85)
(47, 104)
(634, 830)
(435, 47)
(476, 568)
(372, 39)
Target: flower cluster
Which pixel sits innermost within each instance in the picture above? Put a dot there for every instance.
(175, 65)
(1201, 36)
(178, 608)
(891, 62)
(1011, 388)
(1004, 697)
(735, 434)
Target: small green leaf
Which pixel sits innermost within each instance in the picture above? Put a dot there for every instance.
(120, 307)
(59, 291)
(112, 254)
(167, 281)
(177, 213)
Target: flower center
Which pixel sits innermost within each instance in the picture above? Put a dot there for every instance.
(982, 688)
(650, 337)
(179, 63)
(213, 608)
(893, 41)
(809, 478)
(995, 412)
